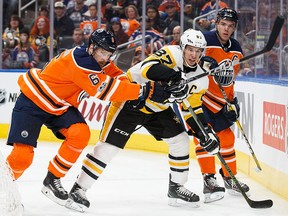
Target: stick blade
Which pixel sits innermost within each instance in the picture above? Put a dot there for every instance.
(261, 204)
(279, 21)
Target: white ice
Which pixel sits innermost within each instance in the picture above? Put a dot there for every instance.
(135, 183)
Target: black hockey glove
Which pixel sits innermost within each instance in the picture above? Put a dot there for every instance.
(155, 91)
(208, 63)
(211, 143)
(179, 93)
(232, 114)
(178, 90)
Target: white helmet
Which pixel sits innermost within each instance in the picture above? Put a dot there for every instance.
(193, 38)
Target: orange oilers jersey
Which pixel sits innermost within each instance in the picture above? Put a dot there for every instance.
(213, 98)
(72, 76)
(88, 26)
(129, 26)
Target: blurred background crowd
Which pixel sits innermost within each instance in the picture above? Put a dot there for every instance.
(27, 38)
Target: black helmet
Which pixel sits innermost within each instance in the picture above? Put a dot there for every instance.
(103, 39)
(227, 14)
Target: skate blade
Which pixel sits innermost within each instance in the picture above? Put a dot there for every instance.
(236, 193)
(181, 203)
(70, 204)
(48, 193)
(213, 197)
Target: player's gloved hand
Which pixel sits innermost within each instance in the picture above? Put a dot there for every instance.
(179, 93)
(155, 91)
(232, 112)
(211, 143)
(178, 90)
(208, 63)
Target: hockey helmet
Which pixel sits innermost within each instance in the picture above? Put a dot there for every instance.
(103, 39)
(227, 14)
(193, 38)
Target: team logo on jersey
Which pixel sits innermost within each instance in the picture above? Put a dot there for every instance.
(2, 95)
(226, 75)
(24, 134)
(176, 119)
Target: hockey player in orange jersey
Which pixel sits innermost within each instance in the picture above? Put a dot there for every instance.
(224, 49)
(51, 96)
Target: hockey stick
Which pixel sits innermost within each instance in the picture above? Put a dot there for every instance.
(279, 21)
(252, 203)
(238, 124)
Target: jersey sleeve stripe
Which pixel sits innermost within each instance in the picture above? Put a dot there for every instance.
(114, 88)
(107, 89)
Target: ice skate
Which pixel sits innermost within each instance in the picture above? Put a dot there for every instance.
(54, 190)
(231, 187)
(212, 191)
(181, 196)
(77, 199)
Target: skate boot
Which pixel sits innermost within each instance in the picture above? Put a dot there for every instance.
(232, 187)
(77, 199)
(181, 196)
(54, 190)
(212, 190)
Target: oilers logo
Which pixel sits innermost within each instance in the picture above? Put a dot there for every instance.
(226, 75)
(2, 96)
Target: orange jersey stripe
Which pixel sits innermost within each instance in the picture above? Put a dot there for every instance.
(66, 80)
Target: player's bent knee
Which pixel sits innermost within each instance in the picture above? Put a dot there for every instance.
(20, 158)
(78, 135)
(179, 145)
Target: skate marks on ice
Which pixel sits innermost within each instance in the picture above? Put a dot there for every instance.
(135, 183)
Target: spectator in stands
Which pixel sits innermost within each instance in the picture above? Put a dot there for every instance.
(193, 8)
(154, 16)
(23, 55)
(116, 8)
(39, 36)
(149, 3)
(63, 25)
(154, 42)
(12, 32)
(117, 29)
(76, 12)
(176, 35)
(130, 24)
(90, 23)
(205, 24)
(164, 4)
(78, 38)
(138, 56)
(211, 6)
(44, 11)
(172, 19)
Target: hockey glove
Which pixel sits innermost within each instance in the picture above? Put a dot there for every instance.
(210, 143)
(232, 112)
(155, 91)
(179, 93)
(208, 63)
(178, 90)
